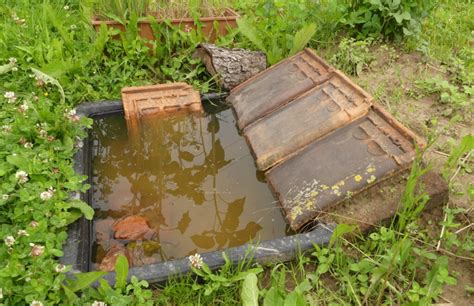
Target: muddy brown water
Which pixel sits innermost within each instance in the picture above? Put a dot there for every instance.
(191, 176)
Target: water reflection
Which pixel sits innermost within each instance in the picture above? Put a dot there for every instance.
(191, 176)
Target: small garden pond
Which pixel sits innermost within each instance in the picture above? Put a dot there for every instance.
(181, 184)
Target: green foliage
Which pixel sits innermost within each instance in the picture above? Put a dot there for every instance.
(39, 136)
(121, 9)
(456, 92)
(226, 278)
(353, 56)
(392, 19)
(61, 61)
(447, 30)
(211, 286)
(122, 294)
(250, 290)
(287, 33)
(465, 146)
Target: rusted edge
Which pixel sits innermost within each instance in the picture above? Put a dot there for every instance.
(258, 75)
(352, 84)
(416, 140)
(313, 54)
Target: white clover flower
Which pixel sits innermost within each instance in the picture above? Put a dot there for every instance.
(23, 108)
(14, 69)
(28, 145)
(22, 233)
(36, 303)
(98, 303)
(60, 268)
(46, 195)
(10, 95)
(7, 129)
(71, 115)
(9, 241)
(5, 197)
(43, 133)
(12, 60)
(36, 250)
(34, 224)
(66, 7)
(196, 261)
(21, 176)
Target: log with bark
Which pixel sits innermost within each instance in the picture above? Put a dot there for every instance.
(230, 66)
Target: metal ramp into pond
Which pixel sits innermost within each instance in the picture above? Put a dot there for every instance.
(317, 135)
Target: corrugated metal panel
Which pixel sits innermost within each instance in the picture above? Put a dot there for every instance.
(277, 86)
(343, 163)
(310, 116)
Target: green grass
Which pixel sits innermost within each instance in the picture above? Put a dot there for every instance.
(449, 29)
(395, 264)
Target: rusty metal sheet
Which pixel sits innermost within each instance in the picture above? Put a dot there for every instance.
(277, 85)
(341, 164)
(164, 98)
(310, 116)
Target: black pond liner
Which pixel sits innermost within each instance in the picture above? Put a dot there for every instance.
(77, 249)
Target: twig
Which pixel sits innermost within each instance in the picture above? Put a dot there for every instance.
(464, 228)
(441, 153)
(435, 68)
(461, 164)
(464, 160)
(438, 245)
(446, 300)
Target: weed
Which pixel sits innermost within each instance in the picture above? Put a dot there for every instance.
(392, 19)
(353, 56)
(276, 48)
(121, 9)
(135, 293)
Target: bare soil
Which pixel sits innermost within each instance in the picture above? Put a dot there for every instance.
(392, 83)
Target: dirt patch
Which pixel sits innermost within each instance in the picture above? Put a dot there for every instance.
(392, 83)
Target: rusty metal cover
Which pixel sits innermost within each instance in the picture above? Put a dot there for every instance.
(310, 116)
(341, 164)
(277, 85)
(164, 98)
